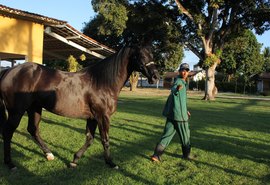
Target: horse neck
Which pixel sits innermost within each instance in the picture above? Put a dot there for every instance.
(126, 68)
(124, 73)
(112, 72)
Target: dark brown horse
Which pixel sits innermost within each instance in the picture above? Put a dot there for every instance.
(91, 94)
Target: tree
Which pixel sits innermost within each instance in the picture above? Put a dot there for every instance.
(112, 16)
(266, 56)
(71, 64)
(252, 60)
(56, 64)
(203, 26)
(133, 80)
(241, 54)
(139, 22)
(208, 24)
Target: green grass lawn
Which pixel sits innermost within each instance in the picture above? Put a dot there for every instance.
(231, 138)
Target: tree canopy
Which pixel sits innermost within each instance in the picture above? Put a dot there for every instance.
(142, 22)
(266, 56)
(208, 24)
(203, 26)
(241, 55)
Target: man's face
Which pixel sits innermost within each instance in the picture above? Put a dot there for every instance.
(183, 74)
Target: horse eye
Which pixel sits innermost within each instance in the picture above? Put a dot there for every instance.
(142, 66)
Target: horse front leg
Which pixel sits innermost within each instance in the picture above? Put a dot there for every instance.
(104, 134)
(90, 134)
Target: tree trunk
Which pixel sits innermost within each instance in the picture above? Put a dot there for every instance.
(230, 76)
(210, 88)
(235, 86)
(133, 86)
(133, 80)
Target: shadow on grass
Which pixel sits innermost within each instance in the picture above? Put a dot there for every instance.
(125, 150)
(233, 147)
(49, 121)
(230, 118)
(88, 169)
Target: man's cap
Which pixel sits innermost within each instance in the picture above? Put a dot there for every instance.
(184, 66)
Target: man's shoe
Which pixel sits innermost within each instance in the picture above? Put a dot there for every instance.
(186, 153)
(155, 158)
(190, 157)
(157, 153)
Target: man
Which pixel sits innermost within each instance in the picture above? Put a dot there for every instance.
(177, 116)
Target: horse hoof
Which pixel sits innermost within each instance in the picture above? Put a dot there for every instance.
(72, 165)
(112, 165)
(49, 156)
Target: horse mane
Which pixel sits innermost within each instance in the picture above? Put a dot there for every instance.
(104, 73)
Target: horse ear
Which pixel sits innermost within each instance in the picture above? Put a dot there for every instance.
(131, 42)
(147, 40)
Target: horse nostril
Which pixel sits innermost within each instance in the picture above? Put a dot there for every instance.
(155, 76)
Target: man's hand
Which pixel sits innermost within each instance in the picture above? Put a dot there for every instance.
(188, 113)
(179, 87)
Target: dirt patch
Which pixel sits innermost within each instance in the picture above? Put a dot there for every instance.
(200, 94)
(146, 91)
(155, 92)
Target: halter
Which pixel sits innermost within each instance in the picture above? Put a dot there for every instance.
(149, 63)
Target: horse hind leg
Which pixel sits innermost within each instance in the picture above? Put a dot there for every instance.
(3, 117)
(34, 116)
(90, 134)
(104, 133)
(9, 128)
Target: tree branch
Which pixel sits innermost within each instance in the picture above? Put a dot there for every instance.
(194, 50)
(183, 10)
(213, 23)
(186, 12)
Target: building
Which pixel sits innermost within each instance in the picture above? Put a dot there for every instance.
(263, 83)
(169, 78)
(195, 75)
(34, 38)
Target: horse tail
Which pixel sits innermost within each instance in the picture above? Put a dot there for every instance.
(3, 115)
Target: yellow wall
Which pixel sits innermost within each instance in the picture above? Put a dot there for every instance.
(21, 37)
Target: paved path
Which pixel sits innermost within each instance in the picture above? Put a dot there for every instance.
(244, 97)
(232, 96)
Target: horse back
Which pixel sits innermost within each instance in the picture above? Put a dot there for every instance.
(63, 93)
(20, 84)
(25, 77)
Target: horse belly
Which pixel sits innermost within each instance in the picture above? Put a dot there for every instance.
(72, 108)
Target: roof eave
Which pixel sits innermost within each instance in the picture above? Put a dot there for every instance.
(15, 13)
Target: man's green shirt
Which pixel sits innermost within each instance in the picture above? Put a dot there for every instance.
(176, 105)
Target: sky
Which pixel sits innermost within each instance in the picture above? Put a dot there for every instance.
(76, 13)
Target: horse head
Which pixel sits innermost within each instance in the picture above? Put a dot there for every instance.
(142, 59)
